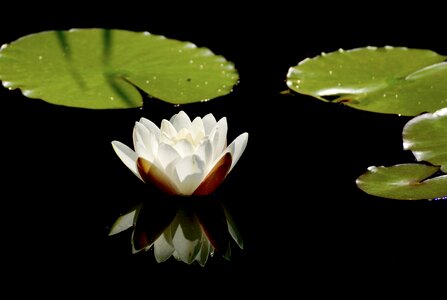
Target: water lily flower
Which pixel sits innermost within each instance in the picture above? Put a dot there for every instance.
(188, 159)
(182, 157)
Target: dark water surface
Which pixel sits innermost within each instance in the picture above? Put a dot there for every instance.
(307, 228)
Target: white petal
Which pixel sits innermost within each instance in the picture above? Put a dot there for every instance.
(209, 122)
(183, 148)
(123, 222)
(205, 152)
(163, 248)
(127, 156)
(172, 229)
(181, 120)
(220, 138)
(190, 183)
(202, 256)
(171, 173)
(167, 131)
(152, 127)
(143, 152)
(140, 133)
(232, 229)
(176, 256)
(166, 154)
(147, 139)
(237, 147)
(134, 250)
(215, 176)
(189, 165)
(197, 129)
(187, 237)
(190, 172)
(154, 174)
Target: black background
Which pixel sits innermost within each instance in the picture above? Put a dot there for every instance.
(307, 228)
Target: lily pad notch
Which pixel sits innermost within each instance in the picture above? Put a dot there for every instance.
(389, 80)
(426, 137)
(107, 69)
(392, 80)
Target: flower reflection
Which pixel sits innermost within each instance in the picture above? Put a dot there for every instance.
(182, 157)
(186, 160)
(190, 231)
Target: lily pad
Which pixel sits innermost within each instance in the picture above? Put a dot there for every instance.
(403, 182)
(385, 80)
(426, 137)
(101, 68)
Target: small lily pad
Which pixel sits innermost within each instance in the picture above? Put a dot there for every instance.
(426, 137)
(101, 68)
(403, 182)
(385, 80)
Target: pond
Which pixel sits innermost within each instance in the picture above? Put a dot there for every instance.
(292, 194)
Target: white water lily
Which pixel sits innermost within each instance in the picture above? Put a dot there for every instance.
(182, 157)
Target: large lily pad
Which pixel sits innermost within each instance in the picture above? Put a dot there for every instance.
(426, 137)
(403, 182)
(100, 68)
(385, 80)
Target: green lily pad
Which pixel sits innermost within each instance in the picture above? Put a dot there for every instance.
(101, 68)
(426, 137)
(403, 182)
(385, 80)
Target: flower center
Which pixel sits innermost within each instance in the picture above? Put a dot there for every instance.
(193, 138)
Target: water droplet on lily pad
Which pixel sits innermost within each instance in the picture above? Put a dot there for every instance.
(372, 76)
(124, 71)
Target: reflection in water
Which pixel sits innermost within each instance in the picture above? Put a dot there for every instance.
(190, 229)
